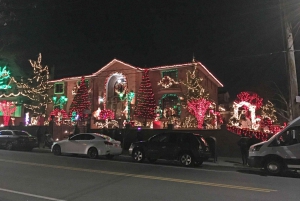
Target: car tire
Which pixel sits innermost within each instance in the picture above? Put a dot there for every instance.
(273, 166)
(9, 146)
(92, 153)
(152, 160)
(186, 159)
(198, 163)
(138, 155)
(56, 150)
(109, 156)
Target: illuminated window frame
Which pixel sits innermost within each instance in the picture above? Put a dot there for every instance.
(170, 71)
(63, 87)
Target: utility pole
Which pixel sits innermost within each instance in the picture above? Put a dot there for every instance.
(290, 62)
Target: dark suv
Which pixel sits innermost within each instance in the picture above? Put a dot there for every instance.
(189, 148)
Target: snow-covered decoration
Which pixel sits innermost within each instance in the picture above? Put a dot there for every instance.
(167, 82)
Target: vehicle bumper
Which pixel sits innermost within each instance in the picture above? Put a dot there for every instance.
(255, 161)
(202, 156)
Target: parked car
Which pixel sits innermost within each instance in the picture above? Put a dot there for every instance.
(188, 148)
(281, 152)
(17, 139)
(90, 144)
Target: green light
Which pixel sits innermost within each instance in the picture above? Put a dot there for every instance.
(4, 75)
(54, 98)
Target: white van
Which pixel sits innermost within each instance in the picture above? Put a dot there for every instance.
(280, 152)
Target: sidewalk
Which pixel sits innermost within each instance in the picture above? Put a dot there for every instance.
(226, 162)
(221, 161)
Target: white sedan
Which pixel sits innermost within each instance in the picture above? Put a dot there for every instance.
(90, 144)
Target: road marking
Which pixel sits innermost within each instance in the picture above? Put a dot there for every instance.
(30, 195)
(143, 176)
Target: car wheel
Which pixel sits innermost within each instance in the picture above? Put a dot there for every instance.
(109, 156)
(273, 166)
(152, 160)
(56, 150)
(198, 163)
(186, 159)
(9, 146)
(92, 153)
(138, 155)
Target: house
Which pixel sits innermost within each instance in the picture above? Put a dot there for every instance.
(108, 86)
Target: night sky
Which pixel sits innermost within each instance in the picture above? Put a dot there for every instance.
(239, 41)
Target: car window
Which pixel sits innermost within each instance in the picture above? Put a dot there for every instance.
(164, 137)
(6, 133)
(77, 137)
(289, 137)
(88, 137)
(21, 133)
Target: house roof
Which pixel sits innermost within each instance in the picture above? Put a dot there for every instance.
(205, 70)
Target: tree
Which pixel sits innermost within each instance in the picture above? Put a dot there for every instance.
(81, 101)
(196, 95)
(35, 88)
(146, 105)
(7, 108)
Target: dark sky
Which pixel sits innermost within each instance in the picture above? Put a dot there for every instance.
(239, 41)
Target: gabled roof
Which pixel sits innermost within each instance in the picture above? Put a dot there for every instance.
(96, 73)
(206, 71)
(112, 63)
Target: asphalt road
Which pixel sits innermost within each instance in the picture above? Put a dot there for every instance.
(43, 176)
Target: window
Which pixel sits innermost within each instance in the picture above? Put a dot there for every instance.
(78, 137)
(287, 138)
(86, 83)
(88, 137)
(21, 133)
(58, 88)
(171, 73)
(6, 133)
(164, 137)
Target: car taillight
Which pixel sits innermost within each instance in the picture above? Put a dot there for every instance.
(108, 143)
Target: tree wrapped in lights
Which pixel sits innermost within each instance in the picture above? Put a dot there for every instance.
(81, 101)
(146, 105)
(268, 111)
(7, 108)
(197, 96)
(36, 88)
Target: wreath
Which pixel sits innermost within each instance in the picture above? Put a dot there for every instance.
(167, 82)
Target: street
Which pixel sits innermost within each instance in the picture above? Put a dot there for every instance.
(42, 176)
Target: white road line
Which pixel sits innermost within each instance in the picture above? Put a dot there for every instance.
(30, 195)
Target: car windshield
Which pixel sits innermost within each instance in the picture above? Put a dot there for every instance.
(21, 133)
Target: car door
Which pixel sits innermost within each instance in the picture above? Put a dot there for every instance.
(154, 146)
(5, 136)
(84, 143)
(288, 146)
(73, 144)
(168, 146)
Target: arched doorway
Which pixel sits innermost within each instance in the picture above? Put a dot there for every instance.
(116, 88)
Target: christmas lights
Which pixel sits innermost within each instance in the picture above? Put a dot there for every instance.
(81, 101)
(7, 108)
(167, 82)
(145, 108)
